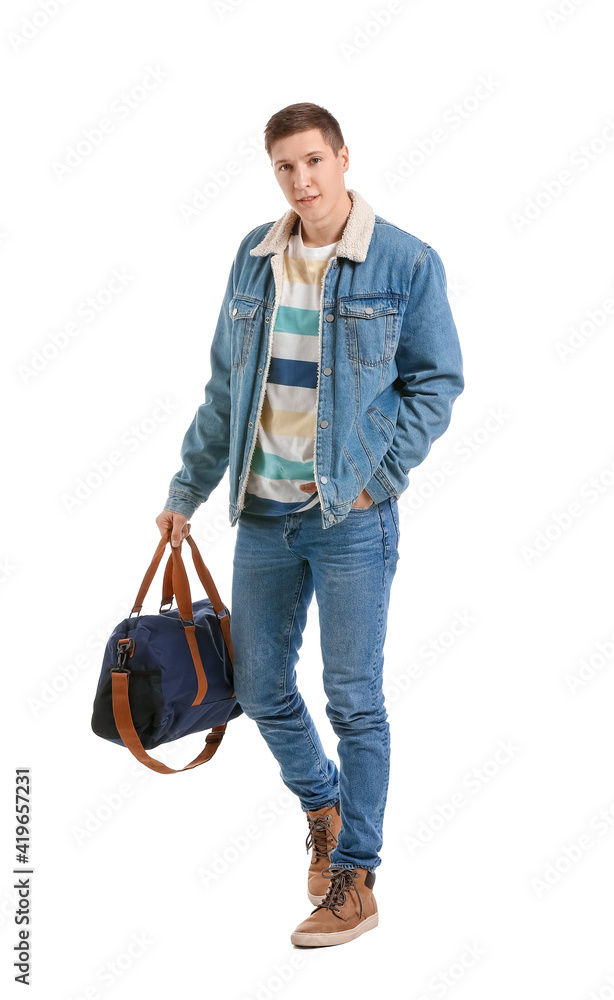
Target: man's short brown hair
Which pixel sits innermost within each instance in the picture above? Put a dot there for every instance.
(299, 118)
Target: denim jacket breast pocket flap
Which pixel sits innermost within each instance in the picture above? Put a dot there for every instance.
(370, 323)
(242, 312)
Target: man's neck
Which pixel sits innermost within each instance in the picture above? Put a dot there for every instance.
(330, 229)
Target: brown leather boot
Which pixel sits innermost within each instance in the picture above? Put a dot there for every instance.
(348, 910)
(324, 827)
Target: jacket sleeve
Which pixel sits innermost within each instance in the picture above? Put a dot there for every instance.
(205, 448)
(430, 368)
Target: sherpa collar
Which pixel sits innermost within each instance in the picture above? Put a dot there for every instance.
(354, 241)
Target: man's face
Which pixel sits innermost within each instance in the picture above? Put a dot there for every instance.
(306, 168)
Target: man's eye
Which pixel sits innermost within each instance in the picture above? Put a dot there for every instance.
(316, 158)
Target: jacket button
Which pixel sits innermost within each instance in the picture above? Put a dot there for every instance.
(235, 311)
(250, 424)
(323, 479)
(260, 371)
(330, 317)
(327, 371)
(331, 517)
(266, 319)
(323, 423)
(368, 309)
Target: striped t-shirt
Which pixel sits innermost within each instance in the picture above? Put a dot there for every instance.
(283, 454)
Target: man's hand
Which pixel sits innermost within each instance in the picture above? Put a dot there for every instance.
(178, 523)
(364, 500)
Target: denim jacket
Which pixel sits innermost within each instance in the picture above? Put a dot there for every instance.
(390, 366)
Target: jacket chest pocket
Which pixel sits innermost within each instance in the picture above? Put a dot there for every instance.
(242, 312)
(370, 326)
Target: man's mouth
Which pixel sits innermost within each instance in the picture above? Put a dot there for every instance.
(309, 201)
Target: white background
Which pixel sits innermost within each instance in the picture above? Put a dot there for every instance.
(495, 875)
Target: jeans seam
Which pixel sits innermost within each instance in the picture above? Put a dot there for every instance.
(380, 620)
(396, 525)
(285, 674)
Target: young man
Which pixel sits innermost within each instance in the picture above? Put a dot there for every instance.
(334, 366)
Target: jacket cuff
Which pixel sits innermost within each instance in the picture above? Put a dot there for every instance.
(377, 490)
(182, 503)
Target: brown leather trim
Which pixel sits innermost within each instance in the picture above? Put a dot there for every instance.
(125, 728)
(211, 590)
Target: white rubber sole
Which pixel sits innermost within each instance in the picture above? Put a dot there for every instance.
(335, 937)
(316, 899)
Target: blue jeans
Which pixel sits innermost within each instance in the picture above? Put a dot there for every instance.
(278, 563)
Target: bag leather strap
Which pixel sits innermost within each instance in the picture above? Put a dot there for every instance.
(175, 578)
(210, 589)
(125, 728)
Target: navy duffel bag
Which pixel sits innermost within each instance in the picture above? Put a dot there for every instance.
(168, 675)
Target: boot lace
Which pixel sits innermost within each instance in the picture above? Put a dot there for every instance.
(342, 881)
(320, 836)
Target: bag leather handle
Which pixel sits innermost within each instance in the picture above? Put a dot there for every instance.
(206, 579)
(181, 586)
(119, 678)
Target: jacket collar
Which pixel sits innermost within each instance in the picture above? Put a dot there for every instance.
(354, 241)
